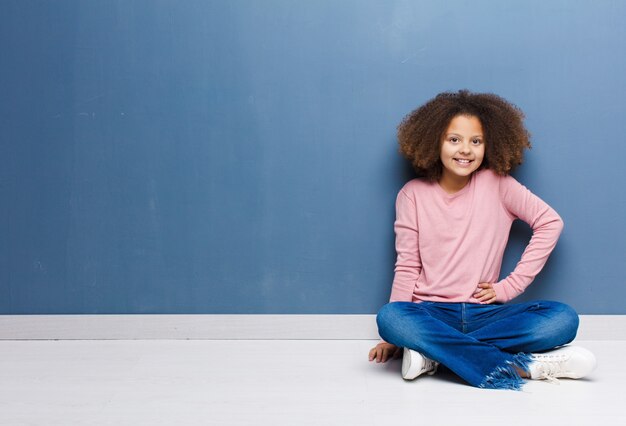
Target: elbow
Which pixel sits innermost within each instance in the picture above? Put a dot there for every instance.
(554, 221)
(551, 224)
(559, 224)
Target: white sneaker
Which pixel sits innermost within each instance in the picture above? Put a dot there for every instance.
(572, 362)
(415, 364)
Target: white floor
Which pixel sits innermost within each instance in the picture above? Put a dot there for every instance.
(279, 382)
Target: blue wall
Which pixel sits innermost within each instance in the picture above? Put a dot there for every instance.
(240, 156)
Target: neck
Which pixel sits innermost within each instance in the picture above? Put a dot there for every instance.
(452, 184)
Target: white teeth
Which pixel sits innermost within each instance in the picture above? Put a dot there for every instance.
(462, 161)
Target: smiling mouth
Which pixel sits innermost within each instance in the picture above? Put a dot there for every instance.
(462, 161)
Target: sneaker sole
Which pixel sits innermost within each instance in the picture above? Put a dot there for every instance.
(407, 372)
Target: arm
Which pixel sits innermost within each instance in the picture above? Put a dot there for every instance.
(408, 263)
(547, 225)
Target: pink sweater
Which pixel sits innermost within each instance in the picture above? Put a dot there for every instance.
(448, 243)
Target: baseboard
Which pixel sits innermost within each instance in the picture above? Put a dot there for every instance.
(234, 327)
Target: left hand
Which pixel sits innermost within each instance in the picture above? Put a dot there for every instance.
(485, 293)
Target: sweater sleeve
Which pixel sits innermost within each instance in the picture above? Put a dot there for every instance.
(408, 264)
(546, 224)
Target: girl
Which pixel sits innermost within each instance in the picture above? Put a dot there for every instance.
(452, 227)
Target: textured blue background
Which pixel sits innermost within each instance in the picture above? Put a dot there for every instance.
(240, 156)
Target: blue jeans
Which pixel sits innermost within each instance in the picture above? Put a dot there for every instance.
(480, 343)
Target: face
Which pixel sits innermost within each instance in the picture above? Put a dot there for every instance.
(462, 148)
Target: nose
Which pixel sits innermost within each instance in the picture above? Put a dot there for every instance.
(465, 148)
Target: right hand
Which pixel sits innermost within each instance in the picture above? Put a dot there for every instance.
(385, 351)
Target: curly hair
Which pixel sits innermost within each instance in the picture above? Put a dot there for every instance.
(421, 132)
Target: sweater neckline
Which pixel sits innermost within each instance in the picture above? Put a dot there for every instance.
(461, 191)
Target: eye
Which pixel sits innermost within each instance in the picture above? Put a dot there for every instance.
(477, 141)
(454, 140)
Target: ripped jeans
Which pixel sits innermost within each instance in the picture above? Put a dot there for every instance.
(480, 343)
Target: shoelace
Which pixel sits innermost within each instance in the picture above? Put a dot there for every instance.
(430, 366)
(550, 367)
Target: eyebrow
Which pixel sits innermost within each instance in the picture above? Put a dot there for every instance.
(456, 134)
